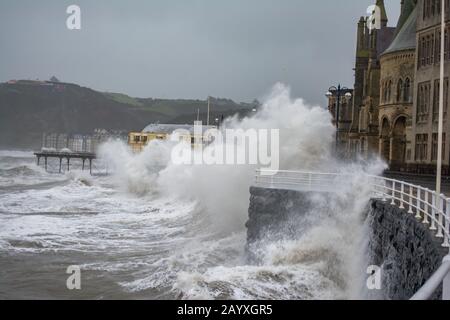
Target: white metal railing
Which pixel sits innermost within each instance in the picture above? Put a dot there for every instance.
(426, 205)
(296, 180)
(442, 275)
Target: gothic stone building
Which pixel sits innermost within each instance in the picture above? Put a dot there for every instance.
(426, 89)
(397, 82)
(395, 106)
(363, 136)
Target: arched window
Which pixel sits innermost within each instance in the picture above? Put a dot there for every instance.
(430, 52)
(407, 91)
(385, 91)
(400, 90)
(389, 90)
(423, 54)
(421, 98)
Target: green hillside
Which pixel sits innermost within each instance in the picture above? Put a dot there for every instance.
(30, 108)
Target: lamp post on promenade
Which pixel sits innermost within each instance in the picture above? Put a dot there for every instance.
(338, 92)
(441, 113)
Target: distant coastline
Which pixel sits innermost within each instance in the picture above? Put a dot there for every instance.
(30, 108)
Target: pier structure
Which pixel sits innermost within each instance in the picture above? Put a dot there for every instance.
(84, 156)
(80, 143)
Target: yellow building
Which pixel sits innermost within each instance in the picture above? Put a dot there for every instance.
(138, 140)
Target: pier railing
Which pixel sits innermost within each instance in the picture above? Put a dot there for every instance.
(426, 205)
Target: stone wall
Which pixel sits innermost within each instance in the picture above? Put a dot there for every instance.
(404, 248)
(280, 214)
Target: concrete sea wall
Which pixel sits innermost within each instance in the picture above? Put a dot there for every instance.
(402, 246)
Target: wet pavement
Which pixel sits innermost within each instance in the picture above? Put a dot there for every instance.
(427, 181)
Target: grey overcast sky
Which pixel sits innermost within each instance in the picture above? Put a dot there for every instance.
(186, 48)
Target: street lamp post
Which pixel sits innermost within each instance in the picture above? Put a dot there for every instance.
(338, 92)
(441, 113)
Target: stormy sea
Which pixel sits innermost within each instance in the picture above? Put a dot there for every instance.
(140, 228)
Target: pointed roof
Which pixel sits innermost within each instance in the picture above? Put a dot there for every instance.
(384, 18)
(407, 8)
(406, 36)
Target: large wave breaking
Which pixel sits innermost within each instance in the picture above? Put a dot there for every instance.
(162, 230)
(330, 248)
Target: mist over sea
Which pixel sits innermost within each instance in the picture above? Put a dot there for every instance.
(146, 231)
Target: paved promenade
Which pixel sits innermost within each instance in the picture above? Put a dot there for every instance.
(427, 181)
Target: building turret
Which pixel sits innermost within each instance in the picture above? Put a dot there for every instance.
(383, 15)
(361, 39)
(407, 6)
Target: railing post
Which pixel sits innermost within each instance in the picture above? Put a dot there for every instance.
(446, 283)
(447, 225)
(426, 208)
(440, 216)
(418, 204)
(411, 200)
(433, 211)
(384, 190)
(402, 197)
(393, 193)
